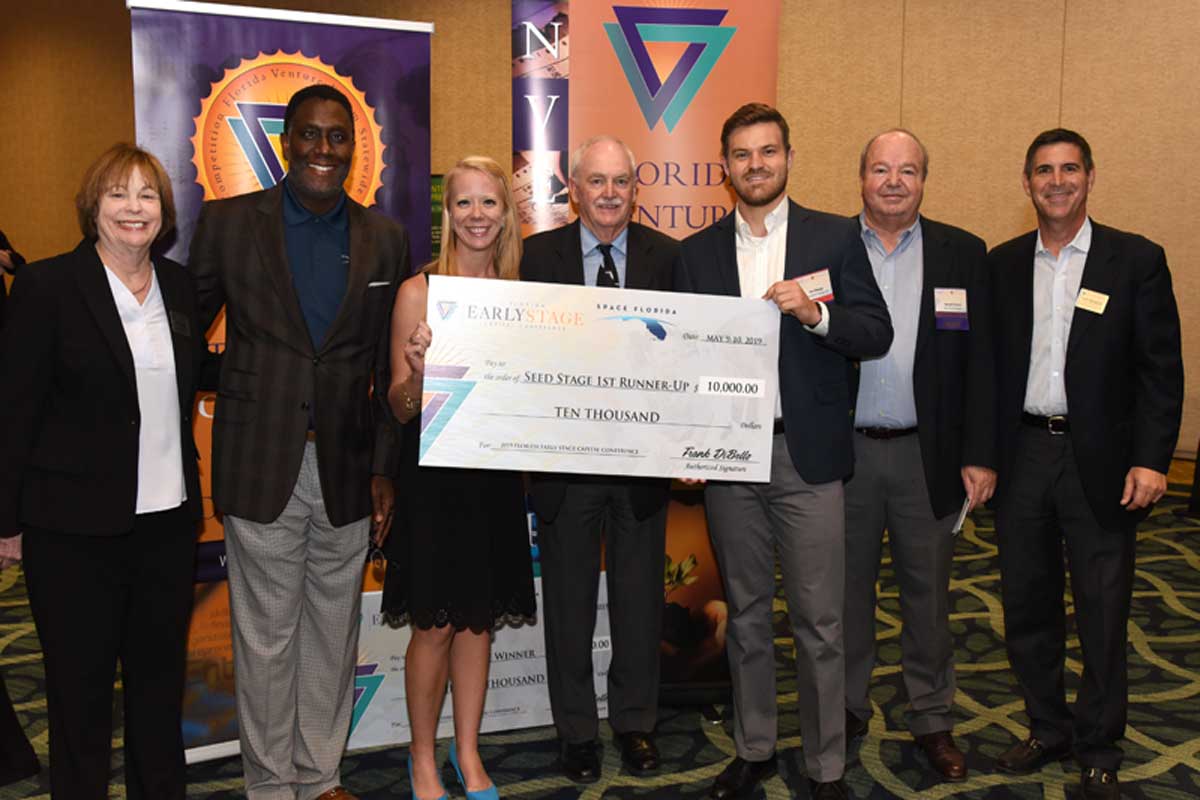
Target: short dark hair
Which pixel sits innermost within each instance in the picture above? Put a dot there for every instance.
(113, 168)
(1056, 136)
(753, 114)
(318, 91)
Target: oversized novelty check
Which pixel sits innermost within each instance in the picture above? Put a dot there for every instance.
(556, 378)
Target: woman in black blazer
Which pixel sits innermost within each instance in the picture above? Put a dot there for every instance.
(99, 360)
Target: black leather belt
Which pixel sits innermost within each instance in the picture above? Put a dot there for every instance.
(1056, 425)
(779, 425)
(886, 433)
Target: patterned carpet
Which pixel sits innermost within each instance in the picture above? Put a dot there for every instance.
(1162, 743)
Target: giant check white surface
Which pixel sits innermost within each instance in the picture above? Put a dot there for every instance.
(558, 378)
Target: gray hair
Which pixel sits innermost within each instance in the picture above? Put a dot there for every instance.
(577, 155)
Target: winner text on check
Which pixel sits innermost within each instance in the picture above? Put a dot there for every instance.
(560, 378)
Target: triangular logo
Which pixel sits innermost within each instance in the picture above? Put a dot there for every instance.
(366, 685)
(443, 396)
(698, 28)
(445, 308)
(257, 133)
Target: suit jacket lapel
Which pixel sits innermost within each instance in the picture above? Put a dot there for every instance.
(796, 255)
(272, 252)
(570, 256)
(727, 254)
(183, 340)
(1097, 276)
(361, 259)
(1022, 282)
(637, 260)
(97, 293)
(934, 271)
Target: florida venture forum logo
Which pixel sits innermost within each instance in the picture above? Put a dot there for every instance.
(699, 28)
(236, 145)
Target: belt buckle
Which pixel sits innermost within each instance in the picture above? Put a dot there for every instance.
(1056, 424)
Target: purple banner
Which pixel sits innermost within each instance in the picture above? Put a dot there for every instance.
(209, 94)
(210, 91)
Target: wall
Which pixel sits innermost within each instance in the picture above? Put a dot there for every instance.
(976, 80)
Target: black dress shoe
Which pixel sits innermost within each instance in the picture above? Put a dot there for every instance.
(740, 777)
(855, 727)
(638, 751)
(580, 762)
(1030, 756)
(1097, 783)
(828, 790)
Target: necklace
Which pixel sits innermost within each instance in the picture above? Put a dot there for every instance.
(145, 284)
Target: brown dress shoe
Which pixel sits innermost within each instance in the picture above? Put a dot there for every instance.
(1030, 756)
(944, 756)
(337, 793)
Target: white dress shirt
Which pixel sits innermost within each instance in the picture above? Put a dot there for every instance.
(160, 484)
(761, 261)
(1055, 287)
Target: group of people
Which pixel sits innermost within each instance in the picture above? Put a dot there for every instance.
(928, 373)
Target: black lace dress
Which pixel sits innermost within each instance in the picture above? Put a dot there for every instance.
(458, 553)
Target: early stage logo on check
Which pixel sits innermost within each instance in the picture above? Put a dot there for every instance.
(546, 377)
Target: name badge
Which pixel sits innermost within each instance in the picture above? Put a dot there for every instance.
(817, 285)
(950, 309)
(1094, 302)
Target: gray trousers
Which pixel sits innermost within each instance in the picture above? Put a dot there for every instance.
(295, 588)
(748, 522)
(888, 491)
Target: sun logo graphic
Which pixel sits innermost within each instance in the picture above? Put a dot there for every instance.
(236, 146)
(699, 28)
(366, 684)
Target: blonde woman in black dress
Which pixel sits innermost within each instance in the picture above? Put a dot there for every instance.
(459, 561)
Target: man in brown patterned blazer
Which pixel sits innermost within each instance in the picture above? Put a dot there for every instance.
(301, 451)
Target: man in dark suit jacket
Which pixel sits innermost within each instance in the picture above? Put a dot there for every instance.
(302, 453)
(813, 266)
(602, 248)
(1090, 397)
(10, 261)
(925, 437)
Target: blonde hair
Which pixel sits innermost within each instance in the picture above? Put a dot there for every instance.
(507, 258)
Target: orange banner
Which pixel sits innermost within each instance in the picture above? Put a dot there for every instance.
(663, 76)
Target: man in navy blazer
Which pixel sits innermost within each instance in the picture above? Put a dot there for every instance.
(925, 438)
(763, 249)
(1090, 397)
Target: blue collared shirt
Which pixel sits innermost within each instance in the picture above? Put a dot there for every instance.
(885, 388)
(318, 251)
(592, 258)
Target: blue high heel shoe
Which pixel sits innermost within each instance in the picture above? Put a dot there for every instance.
(489, 793)
(410, 783)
